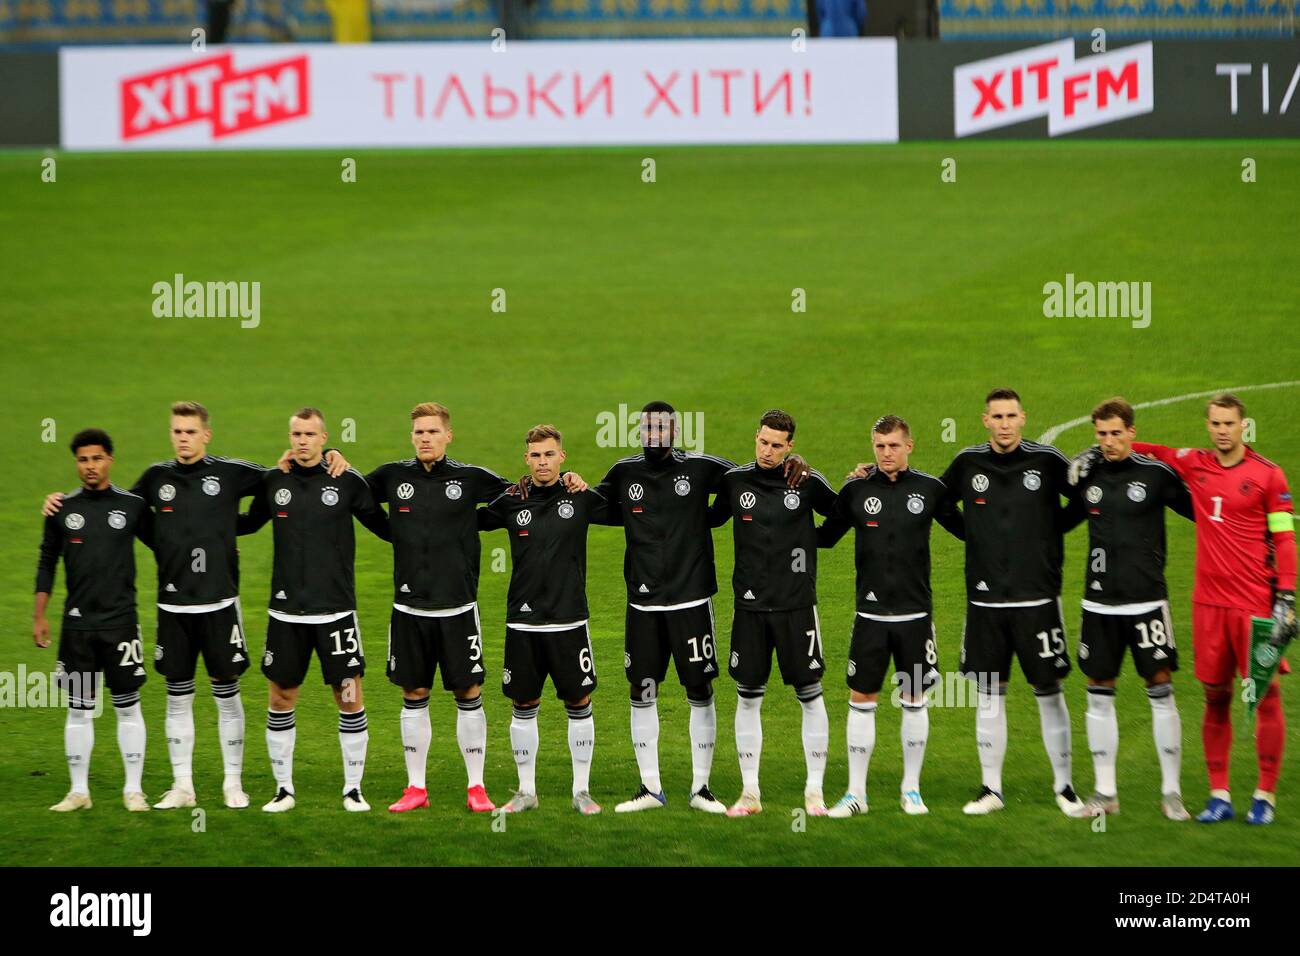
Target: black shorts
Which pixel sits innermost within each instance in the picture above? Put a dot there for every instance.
(564, 656)
(1103, 638)
(217, 635)
(686, 635)
(289, 647)
(912, 646)
(419, 645)
(796, 636)
(117, 651)
(1035, 635)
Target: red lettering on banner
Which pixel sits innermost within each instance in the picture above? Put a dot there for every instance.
(211, 89)
(1072, 93)
(490, 91)
(452, 84)
(760, 102)
(988, 92)
(261, 96)
(726, 76)
(661, 93)
(1108, 83)
(581, 105)
(419, 95)
(1042, 70)
(543, 95)
(388, 79)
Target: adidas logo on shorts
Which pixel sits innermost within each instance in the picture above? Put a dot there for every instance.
(749, 595)
(279, 596)
(476, 669)
(237, 658)
(354, 663)
(643, 589)
(586, 682)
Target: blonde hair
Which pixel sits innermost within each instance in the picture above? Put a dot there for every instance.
(191, 408)
(431, 410)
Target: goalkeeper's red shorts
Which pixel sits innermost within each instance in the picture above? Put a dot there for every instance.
(1221, 643)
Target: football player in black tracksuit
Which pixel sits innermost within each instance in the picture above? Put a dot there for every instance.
(890, 511)
(546, 612)
(1010, 492)
(663, 497)
(195, 500)
(1123, 497)
(313, 600)
(775, 584)
(432, 500)
(101, 632)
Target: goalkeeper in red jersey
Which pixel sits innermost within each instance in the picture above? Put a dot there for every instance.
(1245, 566)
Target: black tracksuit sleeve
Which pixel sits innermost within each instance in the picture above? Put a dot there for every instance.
(950, 517)
(144, 527)
(489, 519)
(375, 480)
(1178, 498)
(952, 484)
(258, 514)
(720, 510)
(141, 486)
(1073, 513)
(48, 563)
(836, 525)
(824, 497)
(602, 510)
(365, 510)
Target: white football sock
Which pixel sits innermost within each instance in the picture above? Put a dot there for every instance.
(416, 734)
(78, 742)
(915, 732)
(1054, 718)
(991, 736)
(582, 743)
(179, 727)
(861, 736)
(704, 737)
(281, 734)
(354, 737)
(471, 735)
(230, 729)
(523, 740)
(749, 734)
(645, 743)
(1167, 729)
(816, 734)
(130, 738)
(1103, 738)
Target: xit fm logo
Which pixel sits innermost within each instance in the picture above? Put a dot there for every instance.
(211, 89)
(1048, 81)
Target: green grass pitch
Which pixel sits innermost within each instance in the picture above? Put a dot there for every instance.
(920, 295)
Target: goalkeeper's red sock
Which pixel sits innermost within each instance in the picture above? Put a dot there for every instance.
(1216, 735)
(1270, 731)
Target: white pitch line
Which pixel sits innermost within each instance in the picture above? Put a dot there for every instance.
(1049, 437)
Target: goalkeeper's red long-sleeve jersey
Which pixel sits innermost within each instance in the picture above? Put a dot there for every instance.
(1245, 534)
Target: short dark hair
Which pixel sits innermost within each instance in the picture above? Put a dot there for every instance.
(1226, 400)
(1114, 408)
(307, 411)
(540, 433)
(1002, 395)
(92, 436)
(658, 407)
(888, 424)
(778, 420)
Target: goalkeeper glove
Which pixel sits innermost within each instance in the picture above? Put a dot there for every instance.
(1083, 463)
(1284, 619)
